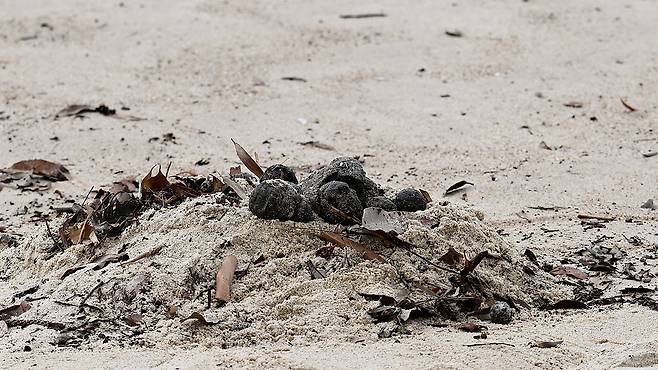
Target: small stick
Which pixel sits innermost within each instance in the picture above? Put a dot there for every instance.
(150, 253)
(488, 344)
(100, 284)
(224, 278)
(469, 266)
(87, 196)
(594, 217)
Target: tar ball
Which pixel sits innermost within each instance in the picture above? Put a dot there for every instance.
(279, 200)
(339, 195)
(501, 313)
(410, 200)
(381, 202)
(281, 172)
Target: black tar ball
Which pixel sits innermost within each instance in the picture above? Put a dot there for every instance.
(279, 171)
(279, 200)
(339, 195)
(410, 200)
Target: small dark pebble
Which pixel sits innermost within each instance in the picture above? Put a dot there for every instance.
(279, 171)
(501, 313)
(410, 200)
(279, 200)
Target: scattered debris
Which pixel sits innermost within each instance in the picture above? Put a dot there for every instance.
(79, 110)
(544, 344)
(569, 271)
(248, 161)
(297, 79)
(626, 105)
(362, 15)
(317, 144)
(574, 104)
(49, 170)
(454, 33)
(649, 204)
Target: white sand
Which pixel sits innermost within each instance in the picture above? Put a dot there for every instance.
(214, 67)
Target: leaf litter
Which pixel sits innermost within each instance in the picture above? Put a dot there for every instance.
(146, 254)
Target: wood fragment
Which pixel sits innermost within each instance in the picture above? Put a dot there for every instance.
(457, 186)
(248, 161)
(224, 278)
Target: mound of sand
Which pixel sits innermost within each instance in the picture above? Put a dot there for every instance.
(274, 297)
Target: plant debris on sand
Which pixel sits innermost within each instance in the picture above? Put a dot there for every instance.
(139, 263)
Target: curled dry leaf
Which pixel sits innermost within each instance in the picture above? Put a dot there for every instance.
(51, 170)
(426, 195)
(154, 184)
(346, 242)
(574, 104)
(199, 317)
(225, 278)
(458, 186)
(248, 161)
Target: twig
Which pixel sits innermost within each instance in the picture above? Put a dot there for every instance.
(594, 217)
(469, 266)
(150, 253)
(95, 288)
(363, 15)
(87, 196)
(489, 344)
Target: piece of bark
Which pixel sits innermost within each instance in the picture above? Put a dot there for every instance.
(225, 278)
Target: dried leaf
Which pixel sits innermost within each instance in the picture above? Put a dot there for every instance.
(50, 170)
(236, 187)
(458, 186)
(224, 278)
(454, 33)
(650, 154)
(471, 327)
(544, 344)
(80, 109)
(154, 184)
(569, 271)
(234, 171)
(627, 106)
(426, 195)
(198, 316)
(248, 161)
(379, 219)
(345, 242)
(452, 257)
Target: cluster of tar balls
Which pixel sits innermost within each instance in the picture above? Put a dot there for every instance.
(337, 193)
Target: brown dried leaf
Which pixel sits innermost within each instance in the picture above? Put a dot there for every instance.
(248, 161)
(546, 344)
(426, 195)
(471, 327)
(225, 278)
(345, 242)
(569, 271)
(50, 170)
(452, 257)
(154, 184)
